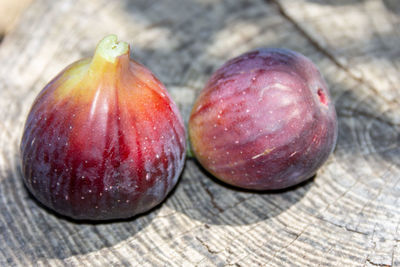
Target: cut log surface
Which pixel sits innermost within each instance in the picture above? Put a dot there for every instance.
(347, 215)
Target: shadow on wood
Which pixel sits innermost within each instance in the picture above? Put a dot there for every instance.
(45, 234)
(392, 5)
(347, 215)
(337, 2)
(202, 197)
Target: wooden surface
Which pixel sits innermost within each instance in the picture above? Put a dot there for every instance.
(348, 215)
(10, 10)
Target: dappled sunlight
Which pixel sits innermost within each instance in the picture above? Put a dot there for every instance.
(347, 214)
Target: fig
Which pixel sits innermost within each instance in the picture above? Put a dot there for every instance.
(103, 140)
(264, 120)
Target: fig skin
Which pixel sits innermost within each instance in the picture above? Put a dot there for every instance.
(264, 120)
(103, 140)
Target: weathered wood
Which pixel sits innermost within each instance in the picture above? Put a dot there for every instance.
(9, 13)
(347, 216)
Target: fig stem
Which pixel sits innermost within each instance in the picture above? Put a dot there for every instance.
(109, 48)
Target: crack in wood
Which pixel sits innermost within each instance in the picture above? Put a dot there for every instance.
(172, 239)
(345, 227)
(291, 242)
(204, 244)
(212, 200)
(372, 200)
(328, 54)
(392, 261)
(316, 217)
(374, 244)
(378, 264)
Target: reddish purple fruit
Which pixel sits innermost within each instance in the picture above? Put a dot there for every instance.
(264, 120)
(103, 139)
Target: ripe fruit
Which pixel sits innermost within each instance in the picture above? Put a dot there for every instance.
(103, 139)
(264, 120)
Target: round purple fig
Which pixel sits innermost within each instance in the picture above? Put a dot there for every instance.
(264, 120)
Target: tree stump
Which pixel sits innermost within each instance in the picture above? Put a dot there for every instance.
(347, 215)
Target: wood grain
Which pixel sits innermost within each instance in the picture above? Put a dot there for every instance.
(348, 215)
